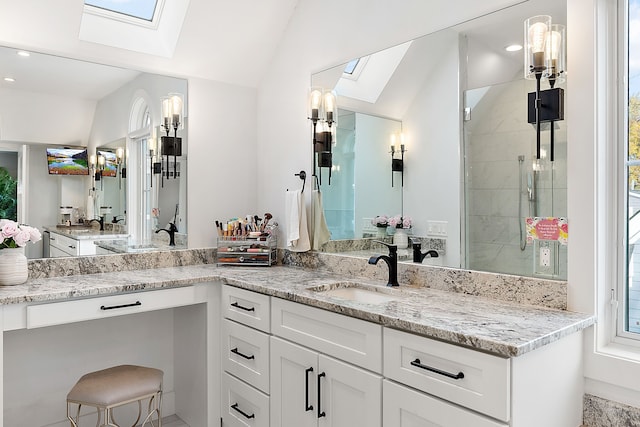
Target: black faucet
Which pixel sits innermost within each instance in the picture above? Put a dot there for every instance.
(418, 256)
(115, 219)
(391, 260)
(99, 221)
(172, 233)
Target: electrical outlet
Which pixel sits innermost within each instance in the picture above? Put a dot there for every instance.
(437, 229)
(545, 257)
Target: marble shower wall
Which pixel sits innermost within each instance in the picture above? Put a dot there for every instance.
(496, 135)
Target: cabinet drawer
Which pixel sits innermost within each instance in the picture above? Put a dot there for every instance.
(245, 354)
(243, 405)
(402, 407)
(429, 365)
(249, 308)
(64, 243)
(352, 340)
(115, 305)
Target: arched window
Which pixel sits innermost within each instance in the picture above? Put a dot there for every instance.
(140, 115)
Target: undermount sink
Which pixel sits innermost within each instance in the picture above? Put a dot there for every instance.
(357, 292)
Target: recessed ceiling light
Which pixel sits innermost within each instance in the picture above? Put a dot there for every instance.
(9, 79)
(23, 53)
(513, 48)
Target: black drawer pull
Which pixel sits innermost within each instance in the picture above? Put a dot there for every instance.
(320, 413)
(111, 307)
(236, 305)
(307, 407)
(235, 351)
(457, 376)
(235, 406)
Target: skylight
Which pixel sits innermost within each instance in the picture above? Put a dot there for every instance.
(148, 26)
(142, 9)
(351, 66)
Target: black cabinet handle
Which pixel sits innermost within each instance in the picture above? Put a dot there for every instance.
(307, 407)
(236, 305)
(247, 416)
(111, 307)
(457, 376)
(235, 351)
(320, 413)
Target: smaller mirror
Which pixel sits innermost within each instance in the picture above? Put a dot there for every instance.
(110, 182)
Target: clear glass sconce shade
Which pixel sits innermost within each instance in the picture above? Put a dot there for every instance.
(176, 106)
(536, 55)
(316, 106)
(557, 41)
(166, 112)
(330, 101)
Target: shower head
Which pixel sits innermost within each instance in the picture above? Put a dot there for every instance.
(521, 158)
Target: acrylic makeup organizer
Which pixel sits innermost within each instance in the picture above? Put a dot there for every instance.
(244, 250)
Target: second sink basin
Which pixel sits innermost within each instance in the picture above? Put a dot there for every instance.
(357, 292)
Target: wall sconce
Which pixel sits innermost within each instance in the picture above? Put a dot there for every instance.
(397, 165)
(172, 117)
(323, 109)
(545, 58)
(156, 167)
(121, 166)
(96, 164)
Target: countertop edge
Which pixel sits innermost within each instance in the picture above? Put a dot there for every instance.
(102, 284)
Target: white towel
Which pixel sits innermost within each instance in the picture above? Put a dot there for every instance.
(321, 233)
(296, 218)
(90, 211)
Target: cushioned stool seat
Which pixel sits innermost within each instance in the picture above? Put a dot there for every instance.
(116, 386)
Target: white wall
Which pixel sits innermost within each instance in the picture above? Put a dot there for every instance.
(223, 158)
(31, 117)
(432, 124)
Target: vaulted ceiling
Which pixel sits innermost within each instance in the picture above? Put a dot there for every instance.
(229, 41)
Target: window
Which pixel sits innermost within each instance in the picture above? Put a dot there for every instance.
(141, 9)
(629, 317)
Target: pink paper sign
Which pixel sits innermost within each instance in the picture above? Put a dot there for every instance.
(547, 228)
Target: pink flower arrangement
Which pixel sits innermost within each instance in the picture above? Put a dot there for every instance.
(399, 221)
(15, 235)
(380, 221)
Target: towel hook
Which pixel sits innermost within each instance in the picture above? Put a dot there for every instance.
(303, 177)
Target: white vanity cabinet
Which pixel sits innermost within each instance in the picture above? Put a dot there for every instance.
(244, 352)
(329, 369)
(325, 368)
(62, 246)
(311, 389)
(429, 382)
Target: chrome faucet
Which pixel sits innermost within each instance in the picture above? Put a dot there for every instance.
(171, 232)
(418, 256)
(391, 260)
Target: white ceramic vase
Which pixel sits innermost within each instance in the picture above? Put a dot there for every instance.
(13, 266)
(401, 238)
(381, 232)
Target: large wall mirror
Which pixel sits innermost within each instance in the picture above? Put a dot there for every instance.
(471, 176)
(49, 104)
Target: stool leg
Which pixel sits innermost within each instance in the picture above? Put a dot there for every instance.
(74, 423)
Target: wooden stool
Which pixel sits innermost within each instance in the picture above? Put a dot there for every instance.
(117, 386)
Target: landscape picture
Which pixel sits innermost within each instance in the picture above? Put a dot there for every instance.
(67, 161)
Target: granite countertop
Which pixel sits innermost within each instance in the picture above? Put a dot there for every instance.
(122, 246)
(503, 328)
(84, 232)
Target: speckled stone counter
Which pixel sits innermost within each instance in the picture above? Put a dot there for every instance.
(500, 327)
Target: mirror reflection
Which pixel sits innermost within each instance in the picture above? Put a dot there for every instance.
(55, 105)
(471, 177)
